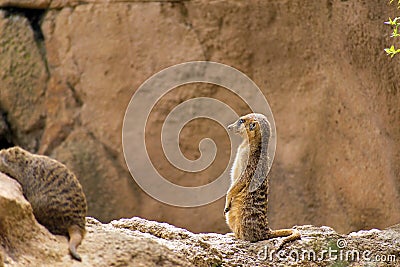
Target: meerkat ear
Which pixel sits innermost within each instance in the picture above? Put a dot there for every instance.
(252, 126)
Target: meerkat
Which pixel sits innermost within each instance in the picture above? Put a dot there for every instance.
(54, 192)
(247, 198)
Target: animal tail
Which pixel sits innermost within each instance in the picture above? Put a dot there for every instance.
(289, 234)
(75, 239)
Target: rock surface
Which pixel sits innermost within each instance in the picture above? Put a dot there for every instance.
(24, 242)
(23, 79)
(69, 68)
(138, 242)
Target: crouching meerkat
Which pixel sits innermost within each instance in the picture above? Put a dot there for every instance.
(247, 198)
(54, 192)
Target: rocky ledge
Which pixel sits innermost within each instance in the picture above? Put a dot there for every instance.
(138, 242)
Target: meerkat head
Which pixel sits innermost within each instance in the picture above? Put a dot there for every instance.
(253, 126)
(12, 158)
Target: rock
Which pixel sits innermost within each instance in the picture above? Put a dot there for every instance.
(23, 239)
(73, 49)
(23, 79)
(25, 3)
(321, 65)
(139, 242)
(78, 101)
(13, 205)
(5, 135)
(25, 242)
(105, 245)
(42, 4)
(109, 194)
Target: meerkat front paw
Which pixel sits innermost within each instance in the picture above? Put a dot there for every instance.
(226, 210)
(227, 207)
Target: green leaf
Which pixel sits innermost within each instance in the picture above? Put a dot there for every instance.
(390, 22)
(391, 51)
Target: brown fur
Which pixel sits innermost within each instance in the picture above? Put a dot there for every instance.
(247, 198)
(55, 194)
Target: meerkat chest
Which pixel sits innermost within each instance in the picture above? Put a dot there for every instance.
(240, 162)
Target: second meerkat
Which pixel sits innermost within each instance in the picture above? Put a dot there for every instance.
(247, 197)
(54, 192)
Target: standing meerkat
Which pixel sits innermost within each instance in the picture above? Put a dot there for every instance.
(247, 197)
(55, 194)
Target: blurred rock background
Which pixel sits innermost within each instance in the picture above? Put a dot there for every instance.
(69, 68)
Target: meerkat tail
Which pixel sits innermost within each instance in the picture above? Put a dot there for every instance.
(289, 234)
(75, 239)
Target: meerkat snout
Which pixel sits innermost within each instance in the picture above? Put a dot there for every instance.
(237, 126)
(241, 126)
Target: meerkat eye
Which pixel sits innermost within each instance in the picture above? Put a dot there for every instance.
(252, 126)
(241, 121)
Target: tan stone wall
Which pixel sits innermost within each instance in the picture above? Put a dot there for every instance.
(333, 92)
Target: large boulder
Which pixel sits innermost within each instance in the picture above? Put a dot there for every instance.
(69, 68)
